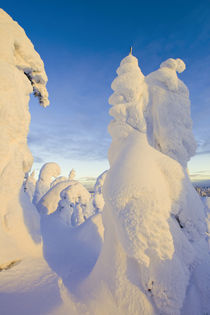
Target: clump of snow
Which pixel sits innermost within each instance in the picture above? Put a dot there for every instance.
(74, 204)
(60, 179)
(18, 50)
(47, 172)
(98, 200)
(169, 125)
(30, 184)
(49, 202)
(21, 72)
(72, 174)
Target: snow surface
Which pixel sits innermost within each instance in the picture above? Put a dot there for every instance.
(155, 233)
(168, 112)
(47, 172)
(98, 199)
(21, 72)
(49, 202)
(74, 204)
(30, 184)
(147, 252)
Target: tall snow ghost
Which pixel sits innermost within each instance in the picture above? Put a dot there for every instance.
(21, 72)
(168, 112)
(154, 220)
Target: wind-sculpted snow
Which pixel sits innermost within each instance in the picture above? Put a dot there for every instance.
(63, 178)
(30, 184)
(74, 204)
(150, 255)
(49, 202)
(21, 72)
(18, 50)
(98, 199)
(168, 112)
(154, 220)
(47, 172)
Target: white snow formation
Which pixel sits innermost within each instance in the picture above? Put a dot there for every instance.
(74, 204)
(21, 72)
(30, 184)
(72, 174)
(169, 125)
(46, 174)
(98, 199)
(154, 220)
(150, 255)
(49, 201)
(60, 179)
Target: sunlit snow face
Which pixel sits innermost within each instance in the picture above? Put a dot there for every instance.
(128, 100)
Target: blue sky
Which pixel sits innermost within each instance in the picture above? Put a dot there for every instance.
(82, 44)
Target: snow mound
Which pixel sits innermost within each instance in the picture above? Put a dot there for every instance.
(74, 204)
(47, 172)
(49, 202)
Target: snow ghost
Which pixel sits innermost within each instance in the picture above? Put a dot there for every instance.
(21, 72)
(154, 220)
(46, 174)
(98, 200)
(30, 184)
(168, 112)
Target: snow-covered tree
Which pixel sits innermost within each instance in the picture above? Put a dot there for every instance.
(58, 179)
(72, 174)
(21, 72)
(46, 174)
(30, 184)
(65, 208)
(75, 199)
(154, 220)
(98, 199)
(63, 178)
(49, 202)
(169, 125)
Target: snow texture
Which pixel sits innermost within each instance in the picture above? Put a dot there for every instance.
(74, 203)
(98, 199)
(30, 184)
(154, 220)
(49, 202)
(21, 72)
(150, 254)
(168, 112)
(47, 172)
